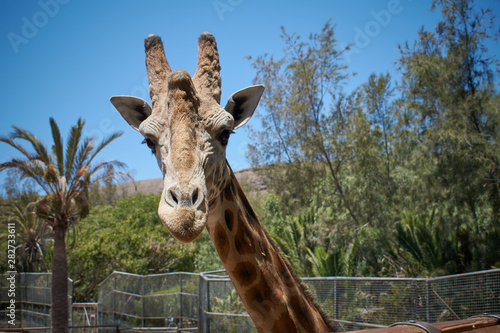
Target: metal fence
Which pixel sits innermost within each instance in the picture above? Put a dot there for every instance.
(160, 300)
(31, 295)
(361, 303)
(208, 302)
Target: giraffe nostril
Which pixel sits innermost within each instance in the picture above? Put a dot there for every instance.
(194, 196)
(173, 197)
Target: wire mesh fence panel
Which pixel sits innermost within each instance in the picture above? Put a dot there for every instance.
(106, 298)
(361, 303)
(221, 309)
(230, 323)
(461, 296)
(84, 314)
(32, 299)
(208, 302)
(159, 300)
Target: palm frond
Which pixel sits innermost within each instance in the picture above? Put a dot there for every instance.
(105, 142)
(19, 148)
(72, 146)
(110, 170)
(80, 162)
(31, 169)
(40, 149)
(57, 147)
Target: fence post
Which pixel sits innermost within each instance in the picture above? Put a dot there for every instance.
(207, 321)
(201, 310)
(114, 297)
(427, 301)
(180, 299)
(335, 300)
(143, 295)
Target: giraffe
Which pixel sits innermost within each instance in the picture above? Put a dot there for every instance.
(187, 130)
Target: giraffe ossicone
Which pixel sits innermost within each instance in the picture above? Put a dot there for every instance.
(188, 130)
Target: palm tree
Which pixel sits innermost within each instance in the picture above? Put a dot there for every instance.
(31, 232)
(429, 245)
(64, 176)
(337, 262)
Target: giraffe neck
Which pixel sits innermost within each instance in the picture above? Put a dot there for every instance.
(273, 296)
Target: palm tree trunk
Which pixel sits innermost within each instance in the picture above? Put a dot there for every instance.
(59, 283)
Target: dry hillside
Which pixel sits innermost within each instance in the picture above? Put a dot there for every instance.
(252, 184)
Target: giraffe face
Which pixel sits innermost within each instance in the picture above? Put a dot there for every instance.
(188, 131)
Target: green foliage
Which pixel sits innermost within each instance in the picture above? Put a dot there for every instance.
(128, 237)
(336, 262)
(348, 168)
(451, 103)
(64, 173)
(206, 258)
(230, 304)
(297, 130)
(429, 249)
(31, 233)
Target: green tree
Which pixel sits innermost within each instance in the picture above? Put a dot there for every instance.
(428, 247)
(105, 193)
(378, 152)
(64, 176)
(128, 237)
(315, 135)
(13, 188)
(451, 122)
(297, 129)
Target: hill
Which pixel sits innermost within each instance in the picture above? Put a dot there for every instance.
(248, 179)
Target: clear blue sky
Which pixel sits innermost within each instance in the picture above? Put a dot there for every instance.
(65, 58)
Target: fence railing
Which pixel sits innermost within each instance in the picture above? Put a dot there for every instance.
(208, 302)
(361, 303)
(31, 296)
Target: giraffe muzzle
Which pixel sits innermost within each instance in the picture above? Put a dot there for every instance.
(183, 211)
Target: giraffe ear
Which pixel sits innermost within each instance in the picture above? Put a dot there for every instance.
(133, 109)
(242, 104)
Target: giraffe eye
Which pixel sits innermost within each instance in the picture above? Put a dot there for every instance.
(224, 137)
(151, 145)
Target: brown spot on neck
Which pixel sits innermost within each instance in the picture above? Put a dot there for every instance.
(245, 272)
(221, 243)
(229, 219)
(243, 239)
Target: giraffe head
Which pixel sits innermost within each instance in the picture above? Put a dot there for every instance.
(187, 130)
